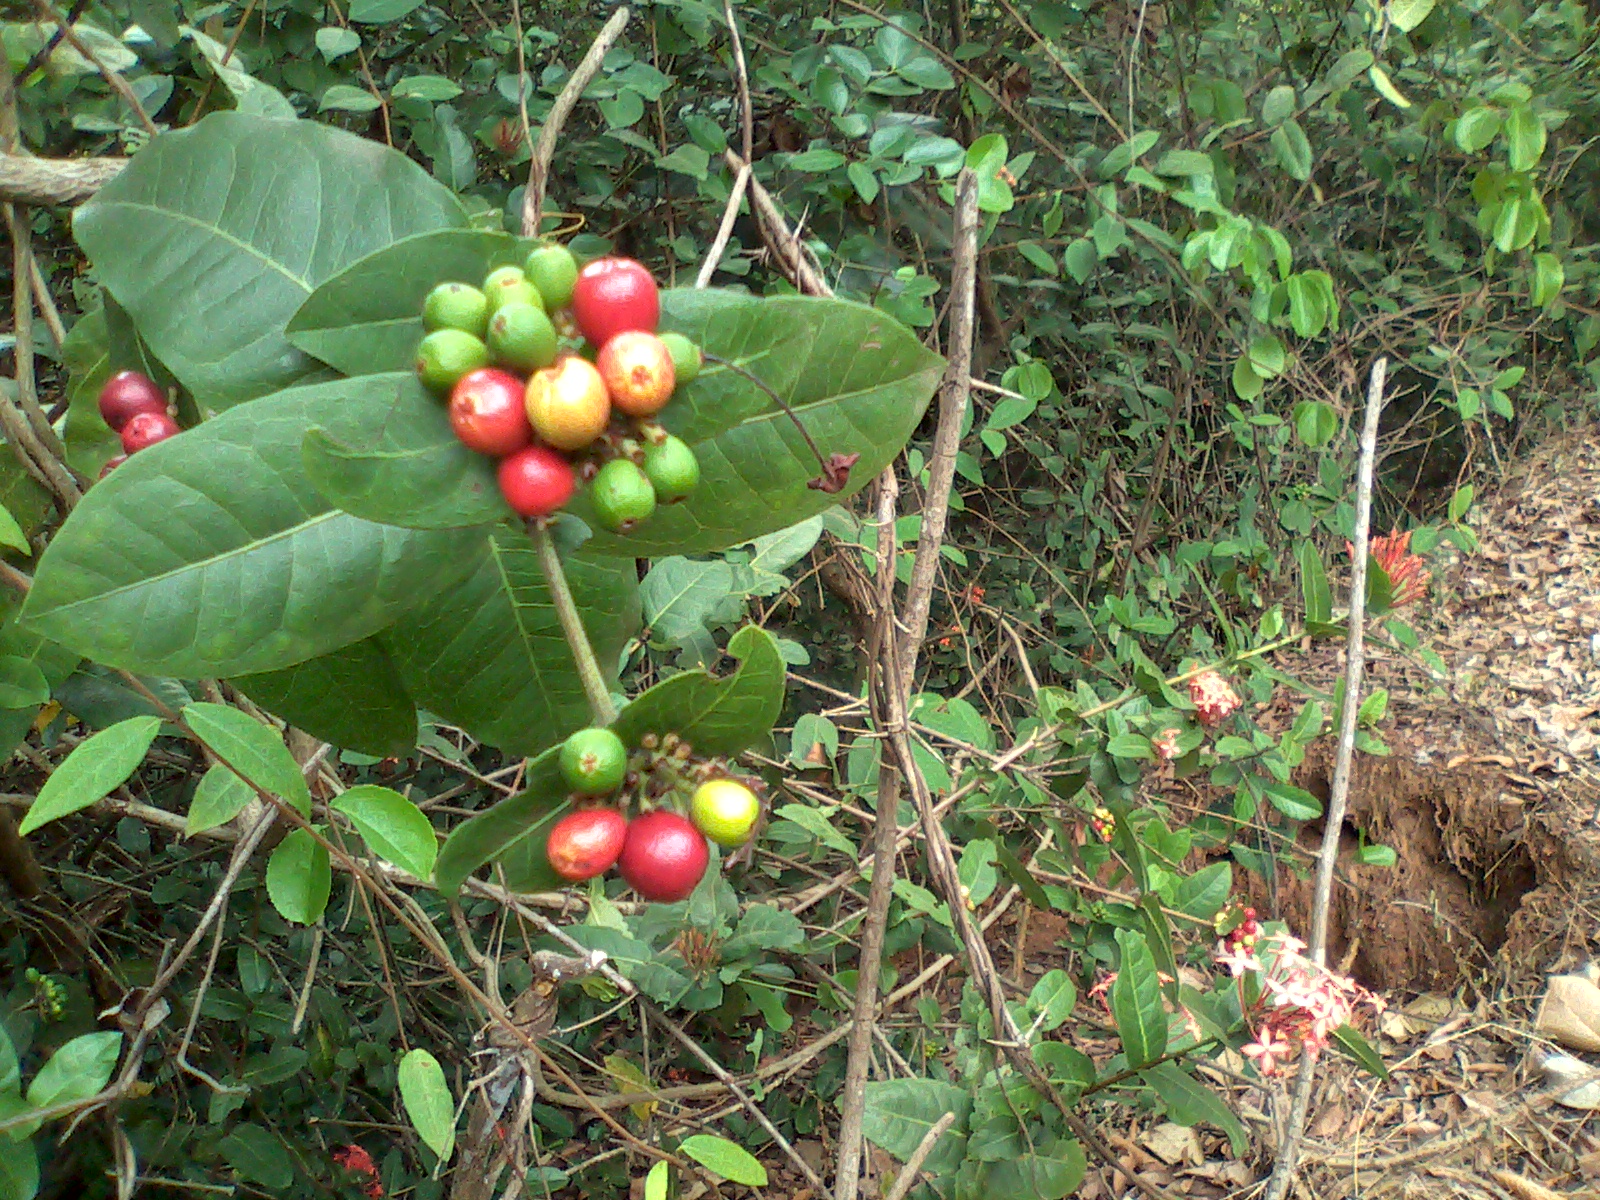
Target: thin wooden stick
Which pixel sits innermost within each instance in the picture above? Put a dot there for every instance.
(908, 1174)
(544, 151)
(1339, 791)
(730, 214)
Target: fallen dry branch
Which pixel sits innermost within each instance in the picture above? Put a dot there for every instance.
(54, 181)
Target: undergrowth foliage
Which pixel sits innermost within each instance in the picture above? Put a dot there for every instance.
(286, 691)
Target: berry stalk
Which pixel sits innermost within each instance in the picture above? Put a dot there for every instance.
(589, 675)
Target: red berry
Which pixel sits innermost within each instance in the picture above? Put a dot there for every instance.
(112, 463)
(127, 394)
(586, 843)
(488, 413)
(536, 481)
(146, 429)
(664, 857)
(612, 296)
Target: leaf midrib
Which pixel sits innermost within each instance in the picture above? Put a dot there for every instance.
(218, 231)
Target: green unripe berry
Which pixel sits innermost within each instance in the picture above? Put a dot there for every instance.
(686, 356)
(553, 270)
(445, 355)
(522, 338)
(672, 468)
(508, 285)
(593, 761)
(456, 306)
(622, 495)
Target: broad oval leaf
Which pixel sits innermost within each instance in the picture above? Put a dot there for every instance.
(393, 827)
(368, 318)
(213, 236)
(258, 1156)
(1037, 1176)
(210, 554)
(722, 1157)
(1189, 1101)
(22, 682)
(427, 1099)
(92, 769)
(299, 879)
(353, 698)
(899, 1112)
(19, 1170)
(493, 660)
(252, 749)
(77, 1071)
(219, 797)
(1136, 1002)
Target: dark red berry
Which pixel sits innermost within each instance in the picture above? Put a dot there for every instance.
(586, 843)
(536, 481)
(488, 412)
(112, 463)
(127, 394)
(612, 296)
(146, 429)
(664, 857)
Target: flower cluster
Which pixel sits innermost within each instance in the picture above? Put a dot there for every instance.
(357, 1161)
(1297, 1003)
(1213, 697)
(1407, 577)
(1165, 744)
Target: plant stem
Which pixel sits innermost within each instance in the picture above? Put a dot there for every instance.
(589, 674)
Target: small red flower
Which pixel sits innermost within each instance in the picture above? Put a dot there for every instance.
(357, 1161)
(1165, 744)
(1407, 572)
(1213, 698)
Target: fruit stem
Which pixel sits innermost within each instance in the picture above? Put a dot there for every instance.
(589, 674)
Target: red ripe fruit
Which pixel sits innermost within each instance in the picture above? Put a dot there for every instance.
(127, 394)
(612, 296)
(638, 372)
(536, 481)
(488, 412)
(112, 463)
(146, 429)
(664, 856)
(586, 843)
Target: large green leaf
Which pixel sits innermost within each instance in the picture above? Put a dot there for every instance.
(426, 1095)
(92, 769)
(857, 379)
(1136, 1001)
(256, 751)
(493, 659)
(213, 236)
(351, 697)
(1039, 1176)
(715, 715)
(900, 1112)
(210, 554)
(368, 318)
(401, 464)
(1188, 1101)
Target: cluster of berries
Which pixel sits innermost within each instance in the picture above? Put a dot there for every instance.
(136, 408)
(523, 388)
(662, 851)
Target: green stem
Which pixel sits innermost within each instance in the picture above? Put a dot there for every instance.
(594, 683)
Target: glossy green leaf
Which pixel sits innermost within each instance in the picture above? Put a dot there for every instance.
(1314, 589)
(1476, 128)
(91, 771)
(1293, 150)
(1357, 1047)
(899, 1112)
(1136, 1001)
(655, 1183)
(210, 554)
(1295, 803)
(219, 797)
(368, 318)
(353, 698)
(503, 829)
(493, 660)
(1038, 1176)
(10, 1069)
(393, 827)
(1386, 88)
(11, 533)
(243, 218)
(19, 1171)
(1315, 422)
(1203, 894)
(77, 1071)
(254, 750)
(1549, 276)
(1052, 999)
(721, 1157)
(427, 1099)
(1525, 138)
(405, 468)
(1406, 15)
(1189, 1101)
(299, 879)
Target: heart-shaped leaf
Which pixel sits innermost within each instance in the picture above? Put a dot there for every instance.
(351, 697)
(213, 236)
(210, 554)
(493, 660)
